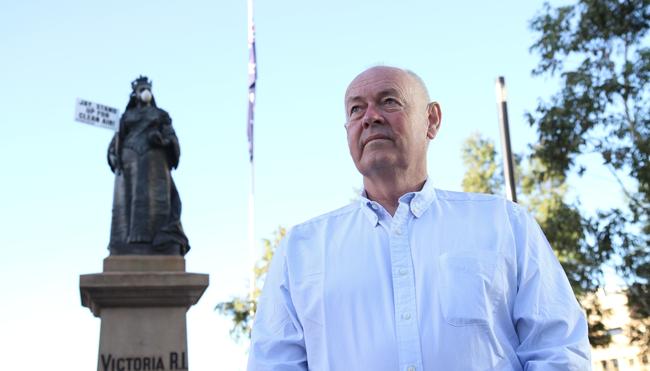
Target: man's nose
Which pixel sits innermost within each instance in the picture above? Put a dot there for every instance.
(371, 116)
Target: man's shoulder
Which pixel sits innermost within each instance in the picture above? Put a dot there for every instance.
(312, 233)
(328, 217)
(445, 195)
(480, 200)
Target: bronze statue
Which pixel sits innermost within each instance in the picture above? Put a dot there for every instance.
(146, 205)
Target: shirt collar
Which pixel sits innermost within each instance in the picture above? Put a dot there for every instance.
(419, 202)
(370, 209)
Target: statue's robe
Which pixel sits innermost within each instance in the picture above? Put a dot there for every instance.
(146, 204)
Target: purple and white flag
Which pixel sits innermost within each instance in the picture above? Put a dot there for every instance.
(252, 78)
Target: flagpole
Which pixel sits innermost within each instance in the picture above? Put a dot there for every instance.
(252, 78)
(251, 231)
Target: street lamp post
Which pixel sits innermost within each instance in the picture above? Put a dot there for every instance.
(508, 163)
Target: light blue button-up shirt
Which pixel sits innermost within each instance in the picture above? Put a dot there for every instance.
(452, 281)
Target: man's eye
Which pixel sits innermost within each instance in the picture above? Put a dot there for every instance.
(390, 101)
(354, 109)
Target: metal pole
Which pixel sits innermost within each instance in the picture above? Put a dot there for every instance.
(508, 163)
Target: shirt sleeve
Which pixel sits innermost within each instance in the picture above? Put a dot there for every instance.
(277, 341)
(551, 326)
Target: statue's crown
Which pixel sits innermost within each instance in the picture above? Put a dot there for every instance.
(141, 81)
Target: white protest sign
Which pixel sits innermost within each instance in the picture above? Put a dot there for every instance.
(97, 114)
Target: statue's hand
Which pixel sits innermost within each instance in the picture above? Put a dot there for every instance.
(115, 164)
(156, 139)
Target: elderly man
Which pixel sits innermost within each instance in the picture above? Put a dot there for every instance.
(412, 277)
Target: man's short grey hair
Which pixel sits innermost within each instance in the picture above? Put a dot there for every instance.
(414, 75)
(419, 80)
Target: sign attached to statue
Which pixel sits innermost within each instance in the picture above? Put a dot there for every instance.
(97, 114)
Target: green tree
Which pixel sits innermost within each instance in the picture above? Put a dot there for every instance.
(241, 309)
(482, 173)
(598, 51)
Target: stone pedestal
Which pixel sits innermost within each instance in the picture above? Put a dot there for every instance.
(142, 301)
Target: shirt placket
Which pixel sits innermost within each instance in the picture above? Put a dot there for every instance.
(408, 337)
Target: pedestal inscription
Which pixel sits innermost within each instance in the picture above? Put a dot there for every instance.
(110, 363)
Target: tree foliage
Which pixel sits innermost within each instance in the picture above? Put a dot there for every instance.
(482, 174)
(598, 51)
(241, 309)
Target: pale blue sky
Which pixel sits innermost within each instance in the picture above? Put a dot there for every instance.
(57, 187)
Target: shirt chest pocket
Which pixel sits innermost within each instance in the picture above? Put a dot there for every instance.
(469, 287)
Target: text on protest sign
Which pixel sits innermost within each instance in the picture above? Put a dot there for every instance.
(97, 114)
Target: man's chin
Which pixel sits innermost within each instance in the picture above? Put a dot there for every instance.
(377, 165)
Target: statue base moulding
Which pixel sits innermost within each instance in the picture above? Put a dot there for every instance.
(142, 301)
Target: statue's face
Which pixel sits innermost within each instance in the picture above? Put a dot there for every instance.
(144, 93)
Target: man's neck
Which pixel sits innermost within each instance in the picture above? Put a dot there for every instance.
(387, 192)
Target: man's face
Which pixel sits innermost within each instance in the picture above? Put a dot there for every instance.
(389, 122)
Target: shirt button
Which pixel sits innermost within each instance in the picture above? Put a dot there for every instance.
(403, 271)
(411, 368)
(406, 316)
(374, 207)
(398, 231)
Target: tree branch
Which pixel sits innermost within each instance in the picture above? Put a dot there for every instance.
(627, 193)
(625, 96)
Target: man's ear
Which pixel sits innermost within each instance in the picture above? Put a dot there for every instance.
(434, 116)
